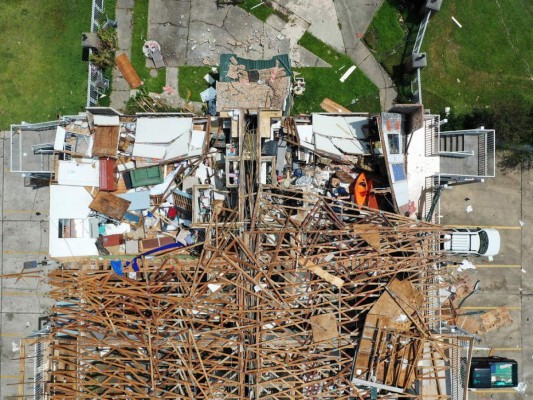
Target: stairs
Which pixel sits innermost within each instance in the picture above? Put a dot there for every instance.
(452, 143)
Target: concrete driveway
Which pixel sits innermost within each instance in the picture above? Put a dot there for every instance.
(197, 32)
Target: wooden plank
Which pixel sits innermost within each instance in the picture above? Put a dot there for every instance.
(105, 141)
(127, 71)
(324, 327)
(334, 280)
(110, 205)
(333, 107)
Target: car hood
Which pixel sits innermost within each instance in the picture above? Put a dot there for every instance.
(494, 242)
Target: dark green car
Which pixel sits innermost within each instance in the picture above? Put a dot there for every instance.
(493, 372)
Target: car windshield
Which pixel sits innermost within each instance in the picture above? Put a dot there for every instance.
(483, 242)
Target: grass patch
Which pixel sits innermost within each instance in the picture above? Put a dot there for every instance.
(261, 12)
(42, 73)
(138, 60)
(391, 36)
(476, 66)
(357, 93)
(192, 82)
(385, 35)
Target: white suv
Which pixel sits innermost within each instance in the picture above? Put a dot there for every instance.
(472, 241)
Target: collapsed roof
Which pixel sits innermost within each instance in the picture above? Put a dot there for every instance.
(273, 308)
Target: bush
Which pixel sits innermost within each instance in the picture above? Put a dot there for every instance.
(105, 57)
(512, 122)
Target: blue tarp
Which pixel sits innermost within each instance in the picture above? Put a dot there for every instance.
(117, 267)
(134, 264)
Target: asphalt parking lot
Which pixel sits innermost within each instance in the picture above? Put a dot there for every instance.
(504, 203)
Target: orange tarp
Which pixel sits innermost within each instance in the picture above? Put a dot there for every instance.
(127, 71)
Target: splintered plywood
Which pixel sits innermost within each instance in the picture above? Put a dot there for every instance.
(387, 349)
(265, 121)
(324, 327)
(410, 298)
(110, 205)
(106, 141)
(495, 319)
(486, 322)
(333, 107)
(389, 314)
(464, 286)
(396, 312)
(369, 234)
(319, 271)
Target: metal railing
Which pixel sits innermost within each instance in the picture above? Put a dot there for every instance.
(460, 358)
(432, 134)
(421, 32)
(416, 83)
(39, 373)
(22, 138)
(486, 151)
(416, 88)
(95, 74)
(487, 156)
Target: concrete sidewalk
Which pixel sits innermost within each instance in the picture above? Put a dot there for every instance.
(354, 17)
(121, 91)
(342, 24)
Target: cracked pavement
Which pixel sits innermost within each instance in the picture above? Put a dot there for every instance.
(197, 32)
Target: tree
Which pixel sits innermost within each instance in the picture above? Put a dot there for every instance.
(513, 122)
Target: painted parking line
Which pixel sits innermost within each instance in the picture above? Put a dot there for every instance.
(13, 335)
(490, 307)
(37, 212)
(491, 391)
(9, 377)
(491, 266)
(502, 227)
(24, 293)
(517, 348)
(14, 253)
(506, 348)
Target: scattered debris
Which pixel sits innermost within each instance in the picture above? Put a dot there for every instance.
(465, 264)
(347, 73)
(194, 245)
(457, 22)
(486, 322)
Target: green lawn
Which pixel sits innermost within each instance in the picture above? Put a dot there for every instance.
(385, 36)
(391, 36)
(192, 82)
(261, 12)
(42, 74)
(486, 61)
(357, 93)
(138, 59)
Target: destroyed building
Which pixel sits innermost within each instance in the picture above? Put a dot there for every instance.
(249, 254)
